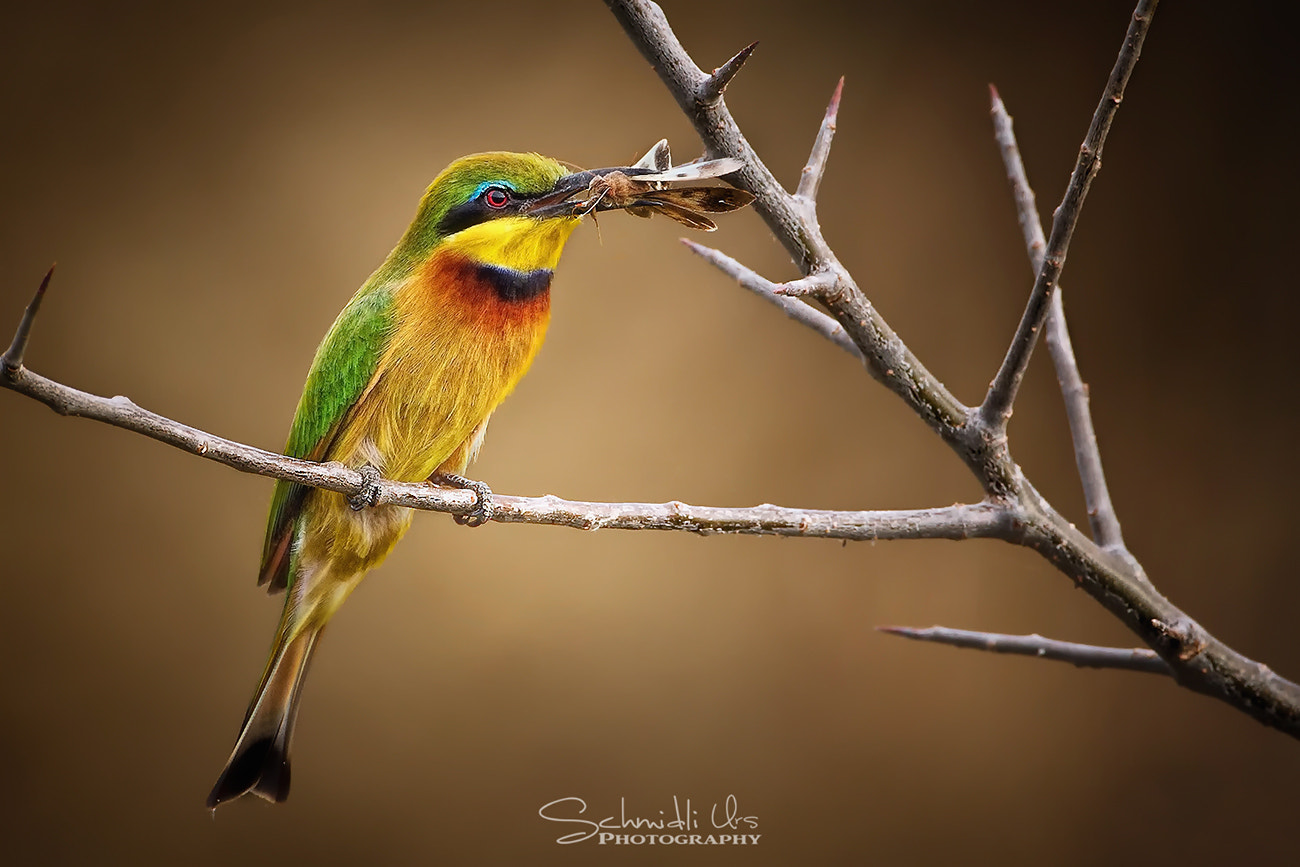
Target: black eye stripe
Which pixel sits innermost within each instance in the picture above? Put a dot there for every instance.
(463, 216)
(479, 209)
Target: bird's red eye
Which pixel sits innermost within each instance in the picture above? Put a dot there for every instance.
(496, 197)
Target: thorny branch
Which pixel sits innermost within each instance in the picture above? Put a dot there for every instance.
(1101, 513)
(1194, 658)
(980, 520)
(1012, 511)
(794, 224)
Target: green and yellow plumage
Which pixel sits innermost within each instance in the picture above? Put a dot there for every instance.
(405, 381)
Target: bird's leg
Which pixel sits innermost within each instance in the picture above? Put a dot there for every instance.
(370, 490)
(482, 511)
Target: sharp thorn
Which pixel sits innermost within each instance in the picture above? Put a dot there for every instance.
(812, 172)
(13, 357)
(833, 108)
(711, 89)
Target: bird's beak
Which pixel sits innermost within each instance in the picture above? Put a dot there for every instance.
(560, 202)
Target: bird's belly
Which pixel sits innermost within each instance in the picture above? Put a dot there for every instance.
(438, 385)
(414, 419)
(423, 410)
(446, 368)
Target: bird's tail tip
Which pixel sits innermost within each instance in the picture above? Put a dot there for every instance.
(260, 767)
(259, 764)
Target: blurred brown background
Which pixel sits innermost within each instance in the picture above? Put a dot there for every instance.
(215, 184)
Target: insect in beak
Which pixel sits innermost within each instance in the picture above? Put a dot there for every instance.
(559, 201)
(642, 190)
(646, 195)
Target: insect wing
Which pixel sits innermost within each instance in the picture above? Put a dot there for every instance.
(704, 200)
(685, 216)
(658, 157)
(696, 171)
(688, 207)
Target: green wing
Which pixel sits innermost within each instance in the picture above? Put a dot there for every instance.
(345, 364)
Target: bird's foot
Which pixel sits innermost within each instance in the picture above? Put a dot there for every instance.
(370, 490)
(481, 513)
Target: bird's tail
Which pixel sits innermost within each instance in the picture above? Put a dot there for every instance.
(260, 760)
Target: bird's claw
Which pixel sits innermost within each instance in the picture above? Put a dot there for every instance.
(481, 513)
(370, 490)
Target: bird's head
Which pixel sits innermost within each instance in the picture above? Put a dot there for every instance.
(499, 208)
(517, 210)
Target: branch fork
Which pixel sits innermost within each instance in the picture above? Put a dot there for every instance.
(820, 284)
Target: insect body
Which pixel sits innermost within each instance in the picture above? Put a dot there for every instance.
(646, 193)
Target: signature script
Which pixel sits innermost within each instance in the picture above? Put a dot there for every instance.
(722, 816)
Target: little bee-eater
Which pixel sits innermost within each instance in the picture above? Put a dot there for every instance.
(402, 387)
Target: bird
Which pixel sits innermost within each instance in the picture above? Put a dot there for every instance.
(402, 387)
(404, 383)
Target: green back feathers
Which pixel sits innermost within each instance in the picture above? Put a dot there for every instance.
(345, 363)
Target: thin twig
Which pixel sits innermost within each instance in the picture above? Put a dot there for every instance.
(1031, 226)
(996, 409)
(979, 520)
(1087, 455)
(769, 291)
(952, 522)
(13, 357)
(1079, 655)
(811, 179)
(713, 86)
